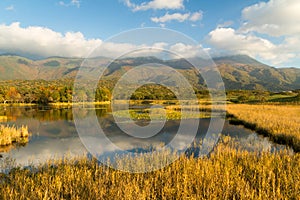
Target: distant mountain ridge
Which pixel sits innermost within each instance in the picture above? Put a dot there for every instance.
(237, 71)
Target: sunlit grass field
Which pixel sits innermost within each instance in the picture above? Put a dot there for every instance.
(279, 122)
(226, 174)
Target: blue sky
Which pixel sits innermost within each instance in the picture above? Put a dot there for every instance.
(266, 30)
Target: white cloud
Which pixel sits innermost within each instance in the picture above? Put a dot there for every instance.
(178, 17)
(71, 3)
(44, 41)
(261, 24)
(129, 4)
(160, 45)
(75, 3)
(169, 17)
(275, 18)
(61, 3)
(162, 25)
(160, 50)
(155, 5)
(225, 24)
(10, 8)
(196, 16)
(230, 41)
(187, 51)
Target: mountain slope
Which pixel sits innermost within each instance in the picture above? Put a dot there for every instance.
(243, 72)
(16, 67)
(238, 71)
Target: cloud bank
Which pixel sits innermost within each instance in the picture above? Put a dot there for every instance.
(261, 24)
(44, 42)
(275, 18)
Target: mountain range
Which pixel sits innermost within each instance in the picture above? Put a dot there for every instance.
(237, 71)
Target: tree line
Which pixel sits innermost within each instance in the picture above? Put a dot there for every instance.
(62, 91)
(45, 92)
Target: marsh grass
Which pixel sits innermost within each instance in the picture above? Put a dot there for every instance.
(160, 113)
(12, 134)
(226, 174)
(279, 122)
(3, 118)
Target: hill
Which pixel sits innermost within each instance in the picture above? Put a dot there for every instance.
(243, 72)
(238, 71)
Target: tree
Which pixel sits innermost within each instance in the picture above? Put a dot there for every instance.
(29, 98)
(2, 99)
(13, 95)
(65, 94)
(55, 96)
(102, 94)
(81, 96)
(43, 97)
(243, 98)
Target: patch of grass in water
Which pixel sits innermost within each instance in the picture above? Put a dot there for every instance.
(159, 113)
(11, 134)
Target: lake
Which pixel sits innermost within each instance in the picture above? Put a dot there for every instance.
(54, 134)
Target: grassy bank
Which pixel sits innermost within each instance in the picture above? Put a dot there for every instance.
(11, 134)
(17, 104)
(54, 104)
(226, 174)
(279, 122)
(79, 103)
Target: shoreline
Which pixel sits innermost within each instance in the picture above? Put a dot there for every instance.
(54, 104)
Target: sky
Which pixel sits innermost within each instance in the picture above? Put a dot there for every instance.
(267, 30)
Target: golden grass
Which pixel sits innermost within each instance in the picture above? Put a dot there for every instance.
(280, 122)
(3, 118)
(159, 113)
(200, 107)
(9, 135)
(226, 174)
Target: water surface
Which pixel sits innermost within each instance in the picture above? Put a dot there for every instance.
(54, 134)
